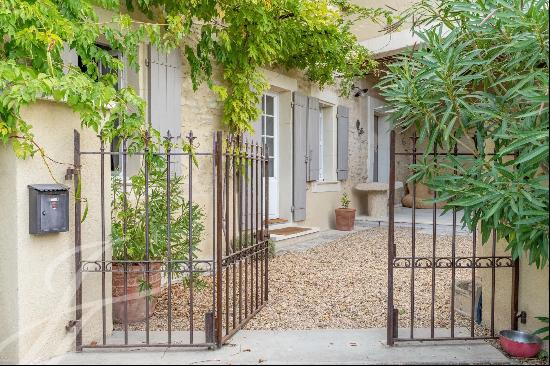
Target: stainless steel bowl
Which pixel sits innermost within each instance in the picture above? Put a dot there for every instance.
(521, 337)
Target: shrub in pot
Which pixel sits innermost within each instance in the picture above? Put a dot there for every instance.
(345, 216)
(131, 246)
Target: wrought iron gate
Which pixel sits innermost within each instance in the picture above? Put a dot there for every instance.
(406, 263)
(237, 269)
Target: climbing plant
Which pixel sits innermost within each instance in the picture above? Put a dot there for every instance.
(479, 82)
(239, 36)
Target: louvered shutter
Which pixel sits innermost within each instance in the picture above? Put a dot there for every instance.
(69, 57)
(299, 156)
(165, 81)
(342, 118)
(313, 139)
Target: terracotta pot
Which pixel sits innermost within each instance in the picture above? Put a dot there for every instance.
(345, 218)
(136, 299)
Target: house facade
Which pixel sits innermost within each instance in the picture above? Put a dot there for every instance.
(321, 145)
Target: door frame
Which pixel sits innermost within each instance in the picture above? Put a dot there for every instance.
(274, 182)
(374, 107)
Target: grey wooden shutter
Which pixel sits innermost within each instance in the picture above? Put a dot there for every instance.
(69, 57)
(165, 95)
(342, 119)
(299, 156)
(312, 139)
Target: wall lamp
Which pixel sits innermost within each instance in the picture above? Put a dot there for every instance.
(360, 92)
(360, 129)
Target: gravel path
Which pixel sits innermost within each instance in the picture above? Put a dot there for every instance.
(343, 284)
(340, 284)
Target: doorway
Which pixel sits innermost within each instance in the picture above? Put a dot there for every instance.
(270, 138)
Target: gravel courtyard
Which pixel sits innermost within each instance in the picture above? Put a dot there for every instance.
(343, 284)
(340, 284)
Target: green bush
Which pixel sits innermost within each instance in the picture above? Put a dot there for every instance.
(135, 217)
(479, 83)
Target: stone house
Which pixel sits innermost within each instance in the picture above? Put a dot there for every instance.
(321, 146)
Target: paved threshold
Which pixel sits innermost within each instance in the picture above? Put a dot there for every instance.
(302, 347)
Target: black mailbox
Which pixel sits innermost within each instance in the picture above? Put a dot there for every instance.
(48, 208)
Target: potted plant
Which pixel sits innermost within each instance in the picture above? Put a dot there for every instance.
(130, 247)
(345, 216)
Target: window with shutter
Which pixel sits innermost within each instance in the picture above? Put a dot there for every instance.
(342, 120)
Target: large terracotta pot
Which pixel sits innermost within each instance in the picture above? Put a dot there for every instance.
(136, 298)
(345, 219)
(423, 195)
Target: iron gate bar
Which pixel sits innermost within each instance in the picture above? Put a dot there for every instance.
(168, 141)
(515, 295)
(102, 197)
(78, 242)
(453, 254)
(240, 218)
(262, 172)
(473, 304)
(434, 239)
(234, 225)
(124, 231)
(190, 139)
(493, 287)
(391, 242)
(227, 234)
(147, 258)
(219, 228)
(413, 234)
(245, 177)
(435, 262)
(266, 216)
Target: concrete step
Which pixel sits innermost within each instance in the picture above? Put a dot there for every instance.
(282, 241)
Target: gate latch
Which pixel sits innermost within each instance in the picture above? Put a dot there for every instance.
(522, 316)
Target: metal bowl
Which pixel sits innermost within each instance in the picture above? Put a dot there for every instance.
(520, 344)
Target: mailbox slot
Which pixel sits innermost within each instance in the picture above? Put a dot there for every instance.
(48, 208)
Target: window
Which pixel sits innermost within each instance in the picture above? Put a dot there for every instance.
(116, 160)
(327, 143)
(268, 129)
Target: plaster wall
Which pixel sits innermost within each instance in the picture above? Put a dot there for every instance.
(38, 283)
(533, 292)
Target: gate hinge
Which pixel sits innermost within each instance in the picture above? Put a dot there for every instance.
(292, 209)
(70, 325)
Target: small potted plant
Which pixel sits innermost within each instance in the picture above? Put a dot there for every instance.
(129, 244)
(345, 216)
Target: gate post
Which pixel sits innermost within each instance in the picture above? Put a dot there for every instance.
(391, 245)
(219, 238)
(77, 242)
(515, 295)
